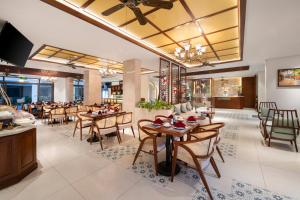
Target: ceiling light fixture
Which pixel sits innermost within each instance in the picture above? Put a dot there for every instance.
(105, 71)
(190, 54)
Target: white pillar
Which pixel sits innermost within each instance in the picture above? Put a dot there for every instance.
(92, 87)
(131, 84)
(69, 89)
(145, 87)
(60, 90)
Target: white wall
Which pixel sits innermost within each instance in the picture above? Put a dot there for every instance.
(60, 90)
(286, 98)
(145, 87)
(261, 86)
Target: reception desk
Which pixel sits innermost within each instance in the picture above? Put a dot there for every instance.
(17, 154)
(233, 102)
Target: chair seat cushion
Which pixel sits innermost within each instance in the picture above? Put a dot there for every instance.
(186, 157)
(123, 126)
(107, 130)
(160, 143)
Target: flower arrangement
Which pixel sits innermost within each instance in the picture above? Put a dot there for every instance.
(154, 105)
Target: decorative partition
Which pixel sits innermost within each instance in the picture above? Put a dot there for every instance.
(183, 85)
(175, 84)
(164, 76)
(172, 82)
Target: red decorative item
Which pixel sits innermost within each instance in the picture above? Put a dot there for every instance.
(191, 118)
(170, 117)
(158, 121)
(179, 124)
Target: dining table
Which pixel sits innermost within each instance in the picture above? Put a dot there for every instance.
(165, 167)
(97, 116)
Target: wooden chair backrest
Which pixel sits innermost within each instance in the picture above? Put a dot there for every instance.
(284, 119)
(267, 104)
(143, 132)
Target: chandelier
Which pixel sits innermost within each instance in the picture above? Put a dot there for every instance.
(48, 78)
(189, 53)
(107, 72)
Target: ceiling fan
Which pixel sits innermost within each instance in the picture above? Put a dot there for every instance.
(133, 5)
(206, 63)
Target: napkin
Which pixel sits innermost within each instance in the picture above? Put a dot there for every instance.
(171, 116)
(191, 118)
(90, 111)
(158, 121)
(179, 124)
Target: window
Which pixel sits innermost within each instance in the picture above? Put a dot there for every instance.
(21, 89)
(78, 90)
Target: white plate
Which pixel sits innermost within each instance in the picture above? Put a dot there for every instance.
(179, 128)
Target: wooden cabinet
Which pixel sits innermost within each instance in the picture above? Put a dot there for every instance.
(17, 157)
(228, 102)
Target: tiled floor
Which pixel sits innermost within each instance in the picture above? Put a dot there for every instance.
(75, 170)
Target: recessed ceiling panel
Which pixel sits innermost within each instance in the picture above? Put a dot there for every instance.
(221, 21)
(204, 22)
(202, 8)
(223, 35)
(226, 45)
(165, 19)
(184, 32)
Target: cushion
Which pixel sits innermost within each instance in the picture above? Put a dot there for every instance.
(183, 108)
(264, 112)
(189, 106)
(177, 109)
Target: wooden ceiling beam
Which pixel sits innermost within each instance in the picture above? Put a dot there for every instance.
(188, 10)
(37, 72)
(87, 3)
(215, 71)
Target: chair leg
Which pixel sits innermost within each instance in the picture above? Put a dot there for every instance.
(220, 153)
(100, 141)
(119, 136)
(81, 133)
(214, 165)
(291, 142)
(155, 155)
(75, 129)
(132, 131)
(296, 145)
(174, 163)
(203, 179)
(269, 144)
(138, 151)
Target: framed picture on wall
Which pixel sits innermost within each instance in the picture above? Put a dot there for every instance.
(289, 77)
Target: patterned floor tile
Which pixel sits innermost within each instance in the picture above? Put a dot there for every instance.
(228, 149)
(244, 191)
(117, 152)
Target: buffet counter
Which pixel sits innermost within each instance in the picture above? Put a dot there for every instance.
(231, 102)
(17, 154)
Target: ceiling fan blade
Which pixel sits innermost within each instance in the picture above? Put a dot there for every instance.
(113, 9)
(139, 15)
(158, 4)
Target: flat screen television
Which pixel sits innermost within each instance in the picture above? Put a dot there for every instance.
(14, 46)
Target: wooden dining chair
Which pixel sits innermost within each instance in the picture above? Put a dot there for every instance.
(46, 113)
(263, 109)
(197, 153)
(285, 126)
(71, 112)
(82, 108)
(81, 123)
(150, 142)
(208, 127)
(124, 120)
(57, 114)
(105, 126)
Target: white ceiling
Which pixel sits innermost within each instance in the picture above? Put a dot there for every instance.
(272, 30)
